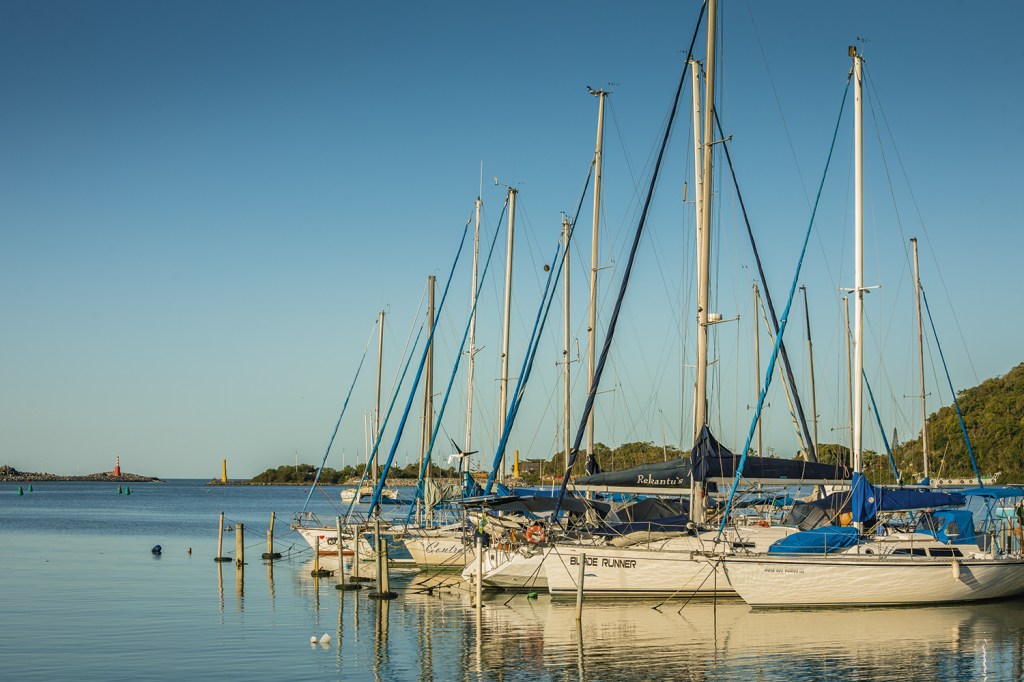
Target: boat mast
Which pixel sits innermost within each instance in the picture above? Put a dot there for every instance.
(375, 474)
(920, 356)
(704, 254)
(698, 185)
(849, 375)
(565, 340)
(592, 326)
(428, 398)
(472, 333)
(757, 358)
(503, 395)
(858, 301)
(810, 362)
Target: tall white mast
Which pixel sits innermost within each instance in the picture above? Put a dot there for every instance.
(858, 301)
(849, 374)
(920, 356)
(704, 255)
(592, 327)
(757, 358)
(503, 395)
(428, 393)
(698, 184)
(472, 333)
(810, 362)
(376, 409)
(565, 341)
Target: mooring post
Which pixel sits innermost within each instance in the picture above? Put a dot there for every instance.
(379, 555)
(341, 551)
(220, 541)
(579, 588)
(240, 544)
(342, 585)
(355, 550)
(386, 563)
(270, 553)
(479, 573)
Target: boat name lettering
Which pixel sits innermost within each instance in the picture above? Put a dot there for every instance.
(442, 548)
(649, 479)
(605, 562)
(783, 570)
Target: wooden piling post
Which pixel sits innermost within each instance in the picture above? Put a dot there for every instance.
(270, 553)
(579, 587)
(479, 573)
(383, 574)
(220, 541)
(240, 544)
(377, 553)
(342, 585)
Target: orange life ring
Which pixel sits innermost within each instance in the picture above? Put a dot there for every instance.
(535, 535)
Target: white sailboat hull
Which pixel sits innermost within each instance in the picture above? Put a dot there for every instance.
(511, 569)
(675, 567)
(860, 580)
(438, 548)
(325, 541)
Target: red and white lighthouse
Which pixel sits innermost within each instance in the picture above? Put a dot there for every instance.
(117, 467)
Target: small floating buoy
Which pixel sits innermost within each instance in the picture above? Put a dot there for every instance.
(127, 490)
(157, 549)
(312, 639)
(30, 487)
(190, 551)
(326, 639)
(20, 491)
(119, 491)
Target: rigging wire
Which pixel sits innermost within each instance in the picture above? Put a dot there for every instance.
(344, 407)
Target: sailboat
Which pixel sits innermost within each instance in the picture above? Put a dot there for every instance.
(667, 560)
(941, 560)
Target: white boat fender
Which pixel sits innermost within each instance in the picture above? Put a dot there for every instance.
(326, 639)
(956, 570)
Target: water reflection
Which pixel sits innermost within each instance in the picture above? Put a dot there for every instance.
(540, 639)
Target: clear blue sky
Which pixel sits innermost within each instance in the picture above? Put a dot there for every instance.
(204, 204)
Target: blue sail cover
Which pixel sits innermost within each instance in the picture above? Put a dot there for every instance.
(816, 541)
(867, 500)
(674, 473)
(710, 459)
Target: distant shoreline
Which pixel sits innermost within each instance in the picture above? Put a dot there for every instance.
(398, 482)
(9, 474)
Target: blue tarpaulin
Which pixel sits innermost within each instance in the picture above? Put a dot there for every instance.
(868, 500)
(817, 541)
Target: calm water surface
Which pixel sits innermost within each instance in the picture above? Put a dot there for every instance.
(84, 599)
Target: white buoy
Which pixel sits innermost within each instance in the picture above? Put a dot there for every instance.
(326, 639)
(312, 640)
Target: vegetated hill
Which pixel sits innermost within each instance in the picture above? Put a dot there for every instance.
(623, 457)
(306, 473)
(994, 415)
